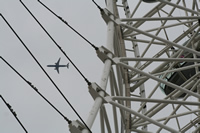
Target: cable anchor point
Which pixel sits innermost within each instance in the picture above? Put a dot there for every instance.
(97, 5)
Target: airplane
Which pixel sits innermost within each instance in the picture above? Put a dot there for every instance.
(57, 65)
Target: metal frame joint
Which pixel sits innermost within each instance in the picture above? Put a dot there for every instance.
(105, 13)
(103, 52)
(76, 127)
(94, 90)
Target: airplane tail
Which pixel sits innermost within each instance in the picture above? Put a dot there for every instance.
(67, 65)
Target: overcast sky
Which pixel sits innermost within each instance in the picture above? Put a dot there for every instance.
(35, 114)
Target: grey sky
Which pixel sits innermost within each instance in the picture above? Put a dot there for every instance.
(32, 110)
(35, 114)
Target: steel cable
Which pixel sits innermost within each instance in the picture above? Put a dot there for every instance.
(14, 113)
(34, 88)
(41, 67)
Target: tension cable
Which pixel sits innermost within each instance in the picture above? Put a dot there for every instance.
(97, 5)
(38, 62)
(65, 22)
(13, 112)
(41, 68)
(56, 44)
(36, 90)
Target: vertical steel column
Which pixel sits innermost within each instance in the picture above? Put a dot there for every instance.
(137, 55)
(106, 71)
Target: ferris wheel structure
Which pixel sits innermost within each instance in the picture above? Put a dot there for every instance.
(150, 80)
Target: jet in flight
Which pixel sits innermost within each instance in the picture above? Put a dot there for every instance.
(57, 65)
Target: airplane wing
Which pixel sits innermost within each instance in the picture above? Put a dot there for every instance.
(57, 63)
(57, 69)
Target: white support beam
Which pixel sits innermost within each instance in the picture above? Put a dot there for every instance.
(140, 131)
(158, 79)
(159, 59)
(140, 115)
(196, 130)
(106, 70)
(161, 39)
(168, 71)
(178, 6)
(144, 41)
(102, 121)
(169, 117)
(159, 18)
(112, 86)
(106, 119)
(177, 54)
(156, 108)
(155, 100)
(163, 27)
(150, 14)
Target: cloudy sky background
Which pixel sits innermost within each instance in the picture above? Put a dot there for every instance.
(35, 114)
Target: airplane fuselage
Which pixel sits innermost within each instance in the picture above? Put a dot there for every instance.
(57, 65)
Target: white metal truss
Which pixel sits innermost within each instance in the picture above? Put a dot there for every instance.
(152, 46)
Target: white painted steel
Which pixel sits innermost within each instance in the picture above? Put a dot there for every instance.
(156, 100)
(143, 117)
(156, 33)
(106, 71)
(161, 80)
(161, 39)
(160, 18)
(172, 116)
(177, 6)
(158, 59)
(136, 53)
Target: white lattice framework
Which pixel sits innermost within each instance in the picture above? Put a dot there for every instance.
(147, 43)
